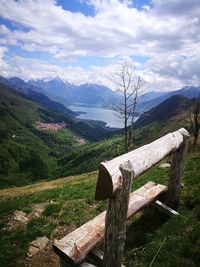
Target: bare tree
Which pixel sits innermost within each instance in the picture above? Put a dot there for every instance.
(126, 82)
(194, 114)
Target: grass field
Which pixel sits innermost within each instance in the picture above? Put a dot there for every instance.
(69, 202)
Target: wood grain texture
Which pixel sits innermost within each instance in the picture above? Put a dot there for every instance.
(142, 159)
(74, 247)
(176, 173)
(115, 229)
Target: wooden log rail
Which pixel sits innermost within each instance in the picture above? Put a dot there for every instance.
(141, 159)
(114, 183)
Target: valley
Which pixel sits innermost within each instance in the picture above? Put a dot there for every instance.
(25, 146)
(50, 155)
(36, 131)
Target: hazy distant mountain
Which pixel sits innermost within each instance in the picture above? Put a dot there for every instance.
(93, 94)
(169, 108)
(66, 93)
(152, 99)
(152, 95)
(33, 93)
(56, 89)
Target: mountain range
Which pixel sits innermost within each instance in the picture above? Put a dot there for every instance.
(66, 93)
(93, 94)
(152, 98)
(33, 93)
(59, 94)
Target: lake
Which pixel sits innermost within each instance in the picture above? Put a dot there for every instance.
(100, 114)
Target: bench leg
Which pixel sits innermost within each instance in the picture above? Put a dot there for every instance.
(63, 263)
(176, 173)
(116, 216)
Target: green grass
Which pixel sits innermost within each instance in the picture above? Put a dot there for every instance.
(52, 209)
(88, 157)
(72, 205)
(181, 235)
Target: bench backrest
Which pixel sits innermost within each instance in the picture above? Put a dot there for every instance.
(141, 159)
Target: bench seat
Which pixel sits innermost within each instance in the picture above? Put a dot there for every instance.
(74, 247)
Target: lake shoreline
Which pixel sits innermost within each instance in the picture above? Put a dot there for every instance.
(99, 114)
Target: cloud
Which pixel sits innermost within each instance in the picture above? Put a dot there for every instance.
(177, 7)
(27, 68)
(116, 27)
(184, 69)
(167, 32)
(4, 65)
(158, 74)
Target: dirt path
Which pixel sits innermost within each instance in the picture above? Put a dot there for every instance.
(41, 186)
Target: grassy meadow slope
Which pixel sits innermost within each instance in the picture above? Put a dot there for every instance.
(70, 203)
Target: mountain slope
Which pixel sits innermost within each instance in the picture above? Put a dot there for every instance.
(93, 94)
(169, 108)
(87, 94)
(24, 156)
(152, 99)
(55, 88)
(28, 153)
(35, 94)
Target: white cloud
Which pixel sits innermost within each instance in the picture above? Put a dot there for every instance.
(116, 28)
(168, 33)
(4, 66)
(27, 68)
(177, 7)
(158, 74)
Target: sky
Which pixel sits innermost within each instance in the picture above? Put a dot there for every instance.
(83, 41)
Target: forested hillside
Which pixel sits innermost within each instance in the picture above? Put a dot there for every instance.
(29, 153)
(33, 149)
(169, 108)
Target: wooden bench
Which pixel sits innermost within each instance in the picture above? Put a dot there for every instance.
(114, 183)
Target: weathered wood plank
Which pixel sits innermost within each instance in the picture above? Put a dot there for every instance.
(164, 208)
(115, 229)
(142, 159)
(75, 246)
